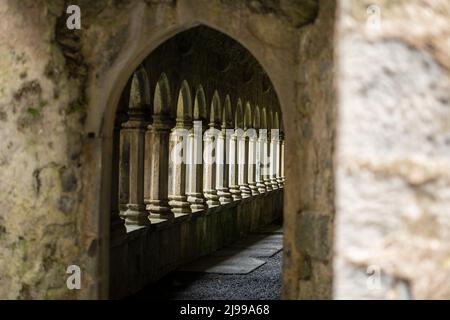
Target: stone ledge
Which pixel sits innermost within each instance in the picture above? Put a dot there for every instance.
(157, 224)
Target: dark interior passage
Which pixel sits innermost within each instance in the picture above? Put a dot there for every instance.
(247, 269)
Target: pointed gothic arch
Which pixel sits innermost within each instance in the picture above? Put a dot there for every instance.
(162, 100)
(200, 109)
(139, 94)
(184, 104)
(215, 110)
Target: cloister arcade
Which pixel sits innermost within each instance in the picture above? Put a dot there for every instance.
(198, 156)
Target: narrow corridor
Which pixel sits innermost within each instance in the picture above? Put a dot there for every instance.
(247, 269)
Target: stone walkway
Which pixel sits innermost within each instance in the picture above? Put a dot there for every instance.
(247, 269)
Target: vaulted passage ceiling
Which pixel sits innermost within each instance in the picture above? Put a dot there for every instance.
(206, 57)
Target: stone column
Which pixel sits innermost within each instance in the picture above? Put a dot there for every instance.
(267, 161)
(148, 165)
(273, 157)
(260, 159)
(158, 203)
(177, 166)
(117, 227)
(134, 129)
(252, 151)
(195, 167)
(124, 170)
(243, 165)
(283, 163)
(233, 174)
(209, 167)
(280, 162)
(223, 148)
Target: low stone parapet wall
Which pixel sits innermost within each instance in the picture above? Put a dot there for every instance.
(148, 253)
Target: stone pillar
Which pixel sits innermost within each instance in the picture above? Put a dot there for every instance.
(223, 150)
(280, 161)
(273, 158)
(252, 160)
(117, 227)
(233, 174)
(260, 155)
(243, 165)
(148, 165)
(195, 167)
(134, 129)
(124, 170)
(158, 203)
(177, 167)
(267, 160)
(283, 161)
(209, 167)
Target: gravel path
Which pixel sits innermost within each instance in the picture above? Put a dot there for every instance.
(264, 283)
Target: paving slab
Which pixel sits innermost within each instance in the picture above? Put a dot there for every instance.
(258, 241)
(234, 272)
(256, 252)
(237, 264)
(241, 256)
(269, 229)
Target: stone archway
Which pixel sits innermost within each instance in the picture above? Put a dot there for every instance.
(277, 49)
(60, 88)
(207, 204)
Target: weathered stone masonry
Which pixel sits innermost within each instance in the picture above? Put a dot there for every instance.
(68, 147)
(364, 117)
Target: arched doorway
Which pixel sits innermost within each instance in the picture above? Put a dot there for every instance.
(194, 165)
(303, 79)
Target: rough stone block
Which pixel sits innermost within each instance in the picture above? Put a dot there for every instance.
(313, 234)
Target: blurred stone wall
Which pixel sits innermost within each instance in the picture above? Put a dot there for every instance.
(392, 228)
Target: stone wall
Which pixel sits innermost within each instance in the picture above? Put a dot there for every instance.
(309, 210)
(59, 91)
(393, 219)
(41, 129)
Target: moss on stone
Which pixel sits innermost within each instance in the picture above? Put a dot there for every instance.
(36, 111)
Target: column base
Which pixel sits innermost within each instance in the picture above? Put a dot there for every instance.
(224, 195)
(274, 183)
(136, 215)
(235, 193)
(280, 182)
(212, 200)
(253, 189)
(159, 209)
(268, 185)
(245, 190)
(197, 201)
(261, 187)
(179, 204)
